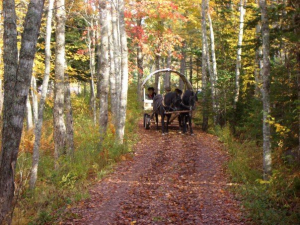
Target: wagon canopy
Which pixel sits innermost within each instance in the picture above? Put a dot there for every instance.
(183, 78)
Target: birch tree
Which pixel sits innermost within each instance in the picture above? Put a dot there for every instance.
(17, 77)
(34, 98)
(167, 76)
(58, 111)
(182, 65)
(39, 124)
(29, 118)
(214, 73)
(124, 72)
(265, 32)
(239, 52)
(103, 70)
(69, 117)
(204, 66)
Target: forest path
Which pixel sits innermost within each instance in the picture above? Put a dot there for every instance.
(172, 179)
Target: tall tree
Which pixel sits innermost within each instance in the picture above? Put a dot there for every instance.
(124, 72)
(34, 98)
(29, 118)
(69, 117)
(214, 73)
(167, 77)
(17, 77)
(204, 66)
(182, 64)
(265, 32)
(58, 111)
(242, 10)
(103, 68)
(39, 124)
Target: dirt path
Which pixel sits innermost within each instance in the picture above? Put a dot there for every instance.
(172, 179)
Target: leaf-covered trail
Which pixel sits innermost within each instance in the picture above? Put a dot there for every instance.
(172, 179)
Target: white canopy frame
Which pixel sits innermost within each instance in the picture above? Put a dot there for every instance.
(182, 76)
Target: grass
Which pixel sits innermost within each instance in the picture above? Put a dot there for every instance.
(276, 201)
(57, 190)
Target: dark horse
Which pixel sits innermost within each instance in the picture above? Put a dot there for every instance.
(189, 99)
(162, 104)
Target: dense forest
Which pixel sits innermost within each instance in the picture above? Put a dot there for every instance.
(71, 95)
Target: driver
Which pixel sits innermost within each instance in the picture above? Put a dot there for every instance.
(151, 94)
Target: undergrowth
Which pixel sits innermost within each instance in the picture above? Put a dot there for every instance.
(57, 190)
(276, 201)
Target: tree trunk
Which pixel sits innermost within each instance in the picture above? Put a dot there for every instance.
(124, 69)
(182, 66)
(214, 74)
(69, 118)
(157, 76)
(204, 67)
(140, 67)
(103, 71)
(167, 76)
(114, 53)
(34, 100)
(239, 53)
(91, 48)
(29, 114)
(38, 126)
(58, 111)
(17, 76)
(265, 32)
(191, 69)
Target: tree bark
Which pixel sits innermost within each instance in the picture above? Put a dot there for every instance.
(191, 69)
(69, 117)
(239, 53)
(204, 67)
(29, 114)
(124, 69)
(91, 48)
(17, 76)
(182, 65)
(167, 76)
(157, 76)
(140, 67)
(38, 126)
(114, 53)
(103, 75)
(58, 111)
(214, 74)
(34, 100)
(265, 32)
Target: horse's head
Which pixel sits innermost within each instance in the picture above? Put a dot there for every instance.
(189, 99)
(173, 100)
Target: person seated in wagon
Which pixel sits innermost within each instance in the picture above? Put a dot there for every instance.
(151, 94)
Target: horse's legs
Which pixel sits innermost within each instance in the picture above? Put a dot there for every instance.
(190, 124)
(168, 120)
(163, 123)
(184, 124)
(156, 118)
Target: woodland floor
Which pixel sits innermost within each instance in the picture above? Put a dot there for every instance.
(171, 179)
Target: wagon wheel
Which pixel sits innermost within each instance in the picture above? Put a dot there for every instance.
(147, 121)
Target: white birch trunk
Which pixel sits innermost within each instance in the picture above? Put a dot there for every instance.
(204, 66)
(69, 118)
(267, 160)
(34, 100)
(29, 114)
(214, 73)
(239, 52)
(124, 68)
(58, 111)
(39, 124)
(168, 74)
(103, 76)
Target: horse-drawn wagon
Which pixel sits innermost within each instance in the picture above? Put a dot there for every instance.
(171, 105)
